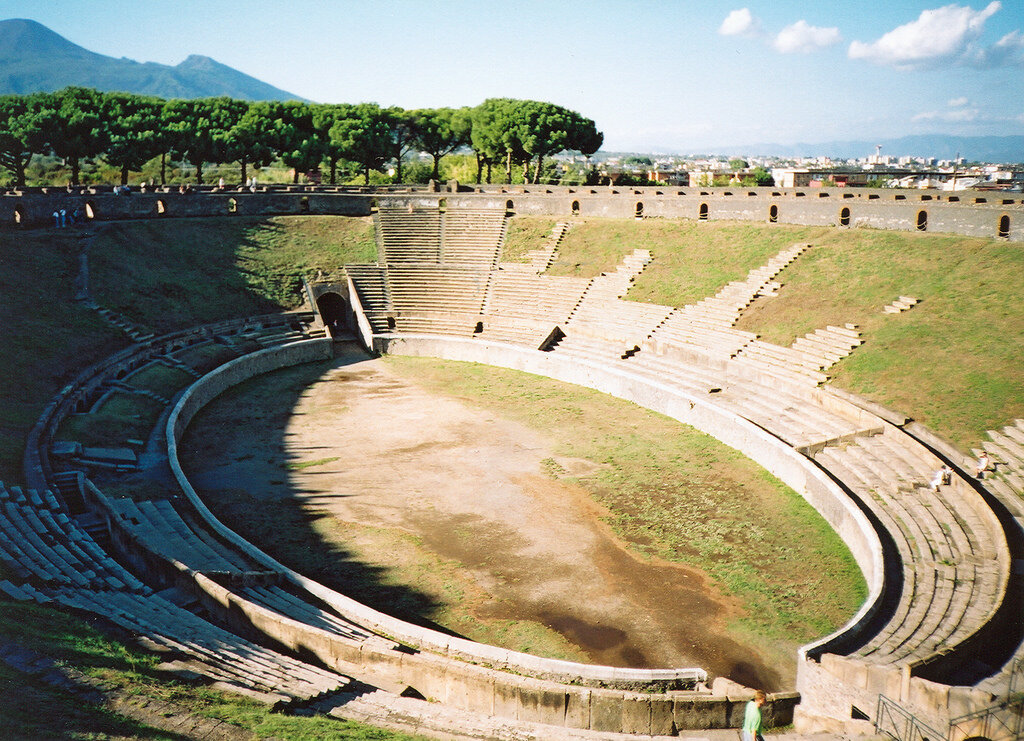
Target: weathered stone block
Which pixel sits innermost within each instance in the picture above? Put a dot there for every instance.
(662, 715)
(506, 702)
(606, 711)
(470, 692)
(577, 708)
(701, 712)
(636, 715)
(542, 706)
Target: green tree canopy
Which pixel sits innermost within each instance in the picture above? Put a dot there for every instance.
(135, 131)
(78, 129)
(25, 123)
(200, 129)
(363, 135)
(440, 131)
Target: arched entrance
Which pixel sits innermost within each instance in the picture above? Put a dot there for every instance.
(90, 210)
(509, 208)
(1004, 226)
(922, 221)
(161, 208)
(442, 205)
(333, 311)
(639, 209)
(844, 216)
(703, 213)
(304, 205)
(773, 213)
(232, 206)
(19, 214)
(575, 208)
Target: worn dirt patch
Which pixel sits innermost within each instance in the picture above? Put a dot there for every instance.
(476, 489)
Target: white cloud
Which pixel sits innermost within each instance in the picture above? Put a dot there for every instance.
(957, 115)
(957, 102)
(802, 37)
(1009, 50)
(946, 34)
(739, 23)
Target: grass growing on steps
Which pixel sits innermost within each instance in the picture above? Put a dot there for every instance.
(32, 709)
(953, 362)
(525, 233)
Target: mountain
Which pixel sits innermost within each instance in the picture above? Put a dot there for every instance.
(34, 58)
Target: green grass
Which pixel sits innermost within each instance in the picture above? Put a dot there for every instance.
(160, 379)
(525, 233)
(952, 362)
(165, 274)
(303, 465)
(963, 346)
(33, 710)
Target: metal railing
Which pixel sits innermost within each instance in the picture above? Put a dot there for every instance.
(900, 724)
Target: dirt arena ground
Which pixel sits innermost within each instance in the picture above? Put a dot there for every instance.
(374, 450)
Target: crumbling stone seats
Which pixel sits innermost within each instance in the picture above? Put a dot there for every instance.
(468, 238)
(157, 526)
(408, 235)
(234, 662)
(951, 548)
(41, 544)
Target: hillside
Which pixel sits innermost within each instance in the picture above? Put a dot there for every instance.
(33, 58)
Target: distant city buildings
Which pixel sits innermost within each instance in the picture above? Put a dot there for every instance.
(875, 170)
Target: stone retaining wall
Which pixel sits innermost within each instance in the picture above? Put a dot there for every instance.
(973, 214)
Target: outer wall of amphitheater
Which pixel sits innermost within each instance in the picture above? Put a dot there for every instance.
(978, 215)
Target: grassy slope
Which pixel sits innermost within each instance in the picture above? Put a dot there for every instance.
(166, 274)
(954, 361)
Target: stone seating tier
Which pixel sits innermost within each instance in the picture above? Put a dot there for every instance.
(159, 527)
(532, 296)
(211, 650)
(40, 543)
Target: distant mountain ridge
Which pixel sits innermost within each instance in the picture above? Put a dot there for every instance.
(33, 58)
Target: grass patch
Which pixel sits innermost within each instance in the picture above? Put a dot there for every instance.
(164, 274)
(160, 379)
(302, 465)
(34, 710)
(680, 495)
(525, 233)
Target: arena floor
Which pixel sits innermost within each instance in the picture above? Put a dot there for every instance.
(376, 452)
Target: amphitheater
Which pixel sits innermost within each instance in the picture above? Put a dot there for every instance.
(935, 650)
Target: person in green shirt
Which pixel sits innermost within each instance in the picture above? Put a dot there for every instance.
(752, 717)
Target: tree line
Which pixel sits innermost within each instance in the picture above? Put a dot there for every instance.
(129, 130)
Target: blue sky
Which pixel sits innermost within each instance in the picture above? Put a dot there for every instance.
(678, 76)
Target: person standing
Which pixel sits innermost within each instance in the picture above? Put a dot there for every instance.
(752, 717)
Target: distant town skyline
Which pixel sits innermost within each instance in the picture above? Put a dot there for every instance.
(655, 76)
